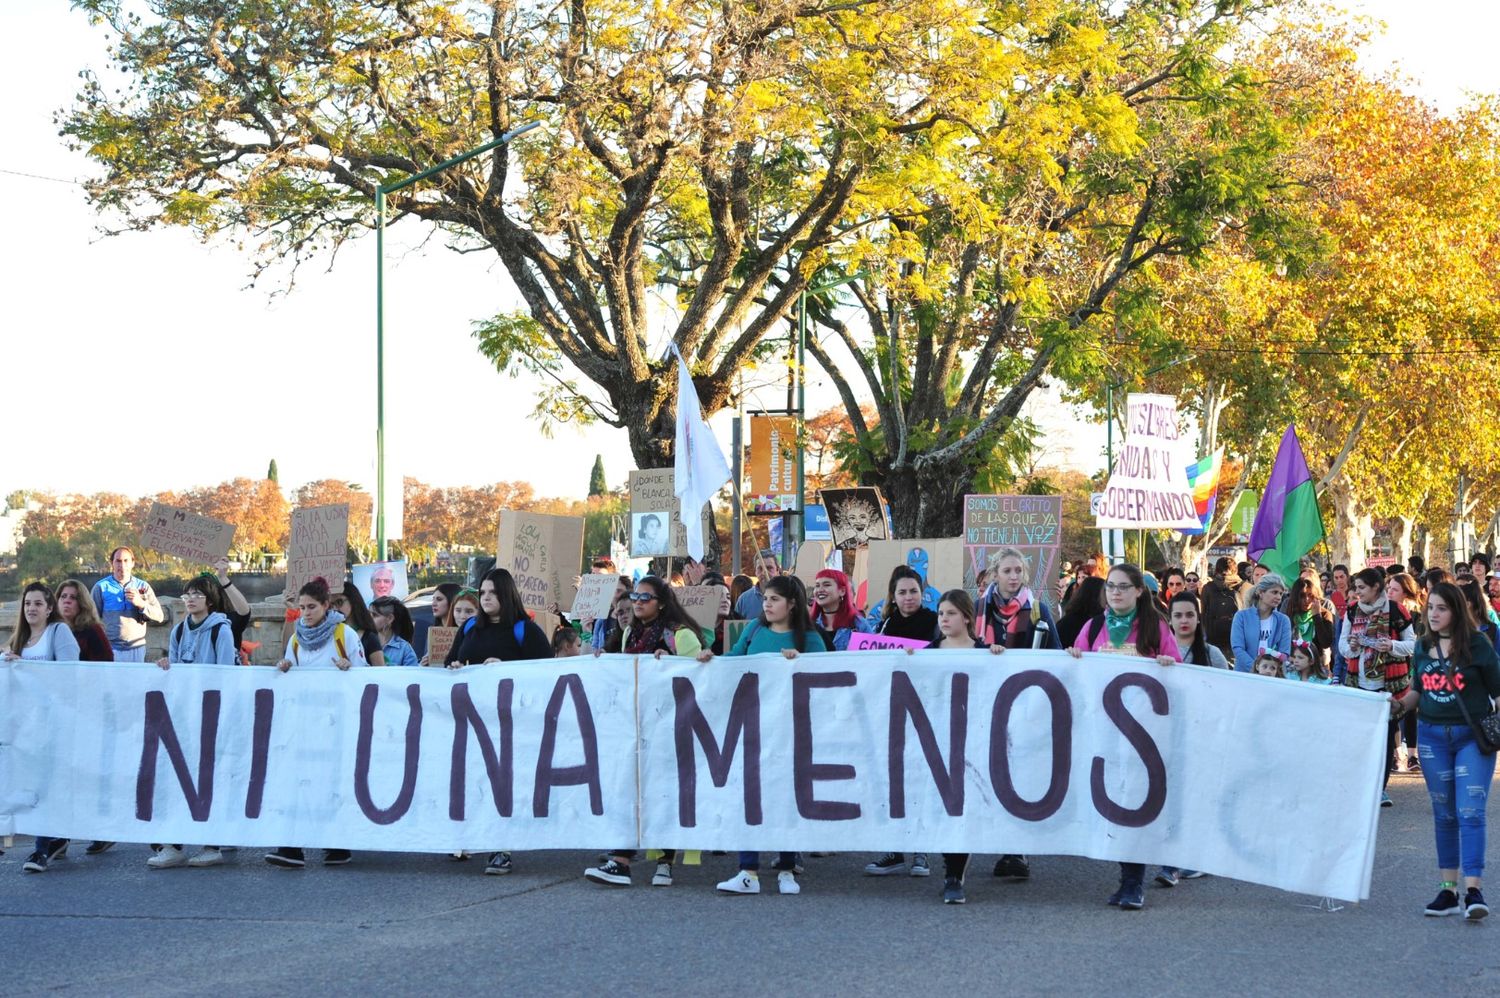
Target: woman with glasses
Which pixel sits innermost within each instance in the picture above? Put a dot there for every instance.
(1190, 583)
(394, 628)
(351, 603)
(204, 636)
(660, 627)
(1131, 624)
(1261, 626)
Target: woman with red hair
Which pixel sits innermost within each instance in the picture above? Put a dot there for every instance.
(833, 608)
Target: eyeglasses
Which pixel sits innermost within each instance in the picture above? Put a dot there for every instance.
(641, 597)
(1119, 587)
(1192, 578)
(185, 596)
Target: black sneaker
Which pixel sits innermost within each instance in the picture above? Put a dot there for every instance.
(953, 891)
(1132, 897)
(35, 863)
(336, 857)
(612, 873)
(1114, 899)
(287, 858)
(98, 846)
(499, 864)
(1013, 868)
(1474, 906)
(1168, 877)
(58, 851)
(891, 862)
(1445, 904)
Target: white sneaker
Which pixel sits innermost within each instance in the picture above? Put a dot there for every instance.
(663, 875)
(786, 883)
(744, 882)
(207, 856)
(168, 857)
(919, 867)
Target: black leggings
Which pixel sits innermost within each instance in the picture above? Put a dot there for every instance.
(1390, 751)
(955, 865)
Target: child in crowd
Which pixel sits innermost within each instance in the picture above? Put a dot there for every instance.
(566, 642)
(1306, 664)
(1270, 663)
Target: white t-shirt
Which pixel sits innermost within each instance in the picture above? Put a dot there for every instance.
(57, 644)
(1267, 628)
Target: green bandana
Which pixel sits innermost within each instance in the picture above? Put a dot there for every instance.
(1119, 626)
(1304, 622)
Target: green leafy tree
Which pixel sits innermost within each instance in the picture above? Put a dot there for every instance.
(45, 559)
(272, 474)
(597, 485)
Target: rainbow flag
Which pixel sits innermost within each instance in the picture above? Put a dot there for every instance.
(1203, 482)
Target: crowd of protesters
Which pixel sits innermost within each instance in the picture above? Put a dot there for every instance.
(1425, 639)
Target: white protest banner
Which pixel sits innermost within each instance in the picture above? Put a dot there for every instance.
(1112, 758)
(198, 539)
(524, 755)
(319, 546)
(1148, 486)
(595, 596)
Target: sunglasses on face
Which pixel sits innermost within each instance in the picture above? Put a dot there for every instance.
(641, 597)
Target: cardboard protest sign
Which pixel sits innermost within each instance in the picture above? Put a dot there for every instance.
(381, 578)
(855, 516)
(865, 642)
(319, 546)
(439, 643)
(656, 529)
(595, 595)
(732, 631)
(199, 539)
(940, 562)
(543, 552)
(702, 604)
(1148, 485)
(1032, 524)
(812, 558)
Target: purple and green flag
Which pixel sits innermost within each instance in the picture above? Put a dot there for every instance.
(1288, 524)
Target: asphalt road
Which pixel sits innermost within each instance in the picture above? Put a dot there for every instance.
(402, 923)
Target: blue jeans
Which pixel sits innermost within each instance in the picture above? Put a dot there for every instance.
(784, 861)
(1458, 781)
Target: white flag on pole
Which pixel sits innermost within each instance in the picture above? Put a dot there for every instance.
(701, 469)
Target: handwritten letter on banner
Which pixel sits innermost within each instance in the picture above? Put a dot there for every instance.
(1113, 758)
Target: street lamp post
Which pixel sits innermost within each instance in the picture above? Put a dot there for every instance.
(380, 195)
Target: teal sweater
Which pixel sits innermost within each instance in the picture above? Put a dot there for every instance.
(759, 638)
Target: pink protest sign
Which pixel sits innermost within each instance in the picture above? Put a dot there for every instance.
(863, 642)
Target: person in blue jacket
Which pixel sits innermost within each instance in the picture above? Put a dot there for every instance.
(1260, 625)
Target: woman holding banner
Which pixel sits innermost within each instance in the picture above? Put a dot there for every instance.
(41, 636)
(784, 626)
(204, 635)
(660, 627)
(503, 632)
(1129, 625)
(833, 607)
(1460, 683)
(394, 628)
(905, 616)
(320, 640)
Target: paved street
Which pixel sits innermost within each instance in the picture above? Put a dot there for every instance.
(424, 924)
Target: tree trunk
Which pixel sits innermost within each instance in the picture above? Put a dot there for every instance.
(1403, 539)
(1349, 541)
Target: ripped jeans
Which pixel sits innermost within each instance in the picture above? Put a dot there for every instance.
(1458, 781)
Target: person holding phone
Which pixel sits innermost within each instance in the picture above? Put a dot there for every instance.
(127, 606)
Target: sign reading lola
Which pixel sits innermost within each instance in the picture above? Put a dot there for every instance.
(1111, 757)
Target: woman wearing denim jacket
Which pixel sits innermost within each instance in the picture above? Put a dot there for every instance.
(1454, 662)
(1261, 625)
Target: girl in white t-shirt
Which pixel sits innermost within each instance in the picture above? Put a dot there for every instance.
(41, 636)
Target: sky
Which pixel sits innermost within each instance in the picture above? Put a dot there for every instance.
(153, 348)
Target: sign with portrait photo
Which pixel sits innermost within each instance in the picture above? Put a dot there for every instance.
(856, 516)
(381, 578)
